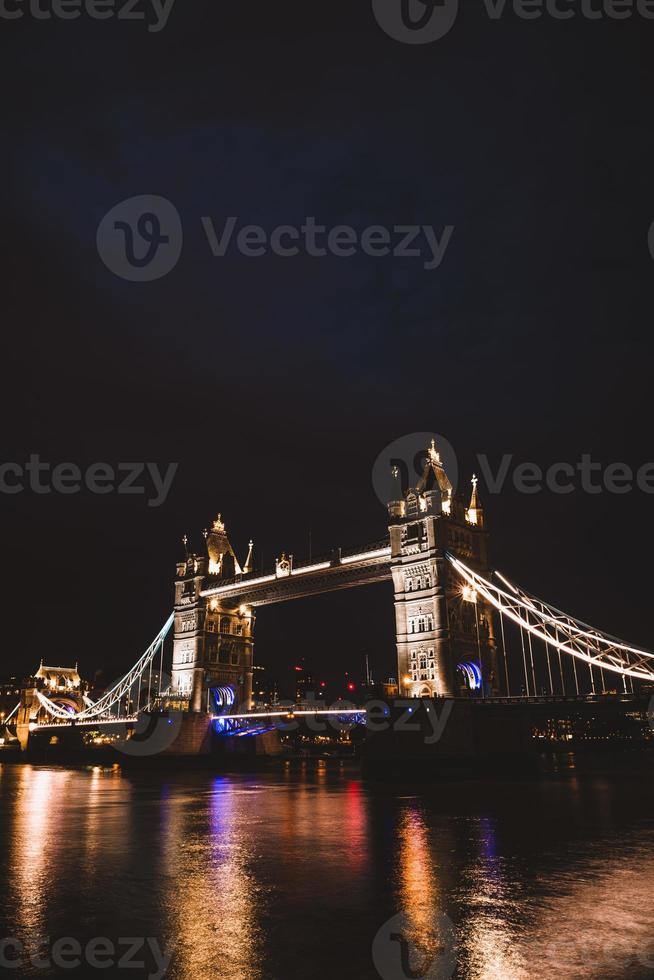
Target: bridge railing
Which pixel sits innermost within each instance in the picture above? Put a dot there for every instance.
(333, 557)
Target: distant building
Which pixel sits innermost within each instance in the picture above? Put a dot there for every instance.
(265, 687)
(9, 696)
(303, 682)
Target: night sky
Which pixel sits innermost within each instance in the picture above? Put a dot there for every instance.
(275, 382)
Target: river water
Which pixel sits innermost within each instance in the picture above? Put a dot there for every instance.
(310, 872)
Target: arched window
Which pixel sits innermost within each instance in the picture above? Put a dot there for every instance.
(224, 624)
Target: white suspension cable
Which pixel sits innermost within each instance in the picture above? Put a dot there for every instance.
(611, 654)
(54, 709)
(11, 713)
(113, 697)
(574, 625)
(119, 690)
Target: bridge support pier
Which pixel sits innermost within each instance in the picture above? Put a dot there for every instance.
(26, 713)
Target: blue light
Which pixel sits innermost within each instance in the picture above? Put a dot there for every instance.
(472, 674)
(223, 697)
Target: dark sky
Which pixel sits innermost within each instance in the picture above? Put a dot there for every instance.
(275, 382)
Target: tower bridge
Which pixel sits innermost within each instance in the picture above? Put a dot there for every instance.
(216, 598)
(462, 630)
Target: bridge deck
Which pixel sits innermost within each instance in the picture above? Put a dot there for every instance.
(363, 567)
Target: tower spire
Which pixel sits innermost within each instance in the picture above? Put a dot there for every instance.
(249, 564)
(475, 512)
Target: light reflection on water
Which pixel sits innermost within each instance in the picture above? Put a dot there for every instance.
(293, 874)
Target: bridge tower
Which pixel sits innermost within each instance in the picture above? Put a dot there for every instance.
(213, 641)
(439, 624)
(62, 685)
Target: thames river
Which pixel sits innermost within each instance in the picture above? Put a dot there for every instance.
(311, 872)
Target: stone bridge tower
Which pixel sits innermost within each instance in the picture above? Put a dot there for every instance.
(439, 623)
(213, 641)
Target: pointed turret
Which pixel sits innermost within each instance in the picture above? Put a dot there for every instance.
(434, 475)
(222, 560)
(249, 561)
(475, 511)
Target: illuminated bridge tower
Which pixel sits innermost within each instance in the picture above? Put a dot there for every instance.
(444, 633)
(213, 641)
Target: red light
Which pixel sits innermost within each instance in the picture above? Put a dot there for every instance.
(298, 668)
(323, 683)
(351, 686)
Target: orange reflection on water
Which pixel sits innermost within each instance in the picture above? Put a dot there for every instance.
(419, 892)
(488, 936)
(212, 901)
(600, 922)
(39, 821)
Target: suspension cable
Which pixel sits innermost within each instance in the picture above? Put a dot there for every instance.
(611, 654)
